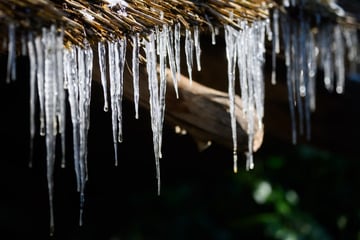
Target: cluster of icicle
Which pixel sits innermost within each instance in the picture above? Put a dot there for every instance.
(59, 74)
(308, 49)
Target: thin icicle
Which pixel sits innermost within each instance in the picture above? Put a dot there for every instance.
(339, 53)
(275, 44)
(11, 64)
(189, 51)
(23, 44)
(50, 86)
(32, 57)
(40, 81)
(102, 66)
(171, 57)
(114, 117)
(197, 47)
(287, 49)
(230, 40)
(177, 46)
(312, 66)
(85, 63)
(71, 77)
(61, 100)
(150, 51)
(135, 71)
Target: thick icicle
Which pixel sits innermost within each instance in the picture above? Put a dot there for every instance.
(32, 57)
(197, 47)
(11, 64)
(114, 117)
(163, 53)
(119, 90)
(150, 51)
(189, 51)
(135, 71)
(102, 66)
(230, 40)
(85, 61)
(50, 86)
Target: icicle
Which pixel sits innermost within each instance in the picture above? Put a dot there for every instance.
(197, 47)
(150, 52)
(61, 101)
(242, 56)
(40, 81)
(352, 45)
(85, 61)
(230, 40)
(50, 87)
(171, 58)
(325, 43)
(189, 51)
(102, 66)
(135, 72)
(275, 44)
(119, 90)
(114, 117)
(32, 57)
(339, 59)
(11, 65)
(71, 77)
(23, 44)
(312, 66)
(287, 47)
(177, 45)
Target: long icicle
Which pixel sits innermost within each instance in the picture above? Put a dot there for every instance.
(150, 51)
(135, 71)
(114, 117)
(50, 87)
(230, 40)
(32, 57)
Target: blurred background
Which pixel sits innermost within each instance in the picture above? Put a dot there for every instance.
(304, 191)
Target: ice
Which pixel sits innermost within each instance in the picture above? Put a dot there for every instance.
(287, 49)
(189, 51)
(119, 91)
(171, 57)
(61, 97)
(135, 71)
(275, 43)
(40, 81)
(155, 108)
(230, 40)
(197, 46)
(245, 48)
(71, 77)
(102, 66)
(339, 55)
(85, 63)
(177, 46)
(32, 58)
(50, 86)
(11, 64)
(113, 100)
